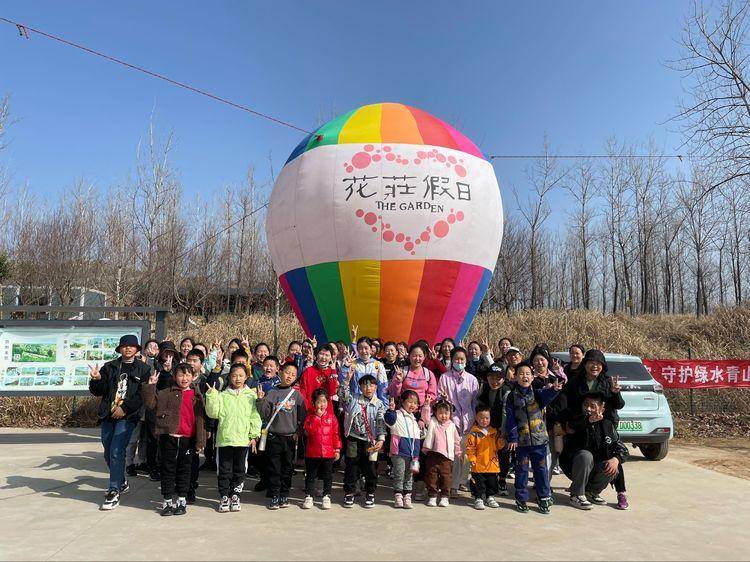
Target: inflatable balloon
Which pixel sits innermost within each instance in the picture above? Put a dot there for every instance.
(389, 219)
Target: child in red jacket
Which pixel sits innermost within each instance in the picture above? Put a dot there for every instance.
(323, 447)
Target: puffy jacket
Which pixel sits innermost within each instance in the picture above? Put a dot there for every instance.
(239, 420)
(577, 388)
(106, 387)
(166, 404)
(323, 437)
(405, 433)
(482, 448)
(524, 422)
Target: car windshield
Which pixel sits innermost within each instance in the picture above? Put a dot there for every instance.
(628, 371)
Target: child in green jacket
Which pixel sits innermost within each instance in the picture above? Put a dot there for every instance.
(239, 427)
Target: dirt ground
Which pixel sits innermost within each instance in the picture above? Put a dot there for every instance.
(728, 456)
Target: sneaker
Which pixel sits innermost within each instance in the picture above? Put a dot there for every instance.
(180, 509)
(544, 505)
(556, 471)
(492, 502)
(111, 500)
(283, 501)
(479, 504)
(432, 502)
(131, 470)
(398, 500)
(407, 501)
(274, 503)
(260, 486)
(580, 502)
(234, 503)
(154, 476)
(125, 488)
(444, 502)
(191, 497)
(596, 498)
(502, 489)
(622, 501)
(521, 507)
(308, 503)
(166, 508)
(224, 504)
(349, 500)
(326, 503)
(369, 501)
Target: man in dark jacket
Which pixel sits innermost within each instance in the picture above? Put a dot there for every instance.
(593, 453)
(118, 382)
(594, 379)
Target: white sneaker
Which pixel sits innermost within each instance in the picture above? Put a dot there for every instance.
(326, 502)
(111, 500)
(398, 500)
(581, 502)
(224, 504)
(308, 503)
(479, 504)
(444, 502)
(492, 502)
(432, 502)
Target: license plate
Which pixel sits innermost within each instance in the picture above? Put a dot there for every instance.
(630, 425)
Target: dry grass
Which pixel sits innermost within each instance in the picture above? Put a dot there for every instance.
(723, 334)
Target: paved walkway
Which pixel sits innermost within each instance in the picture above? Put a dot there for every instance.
(51, 485)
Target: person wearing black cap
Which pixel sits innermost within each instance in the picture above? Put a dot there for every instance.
(118, 383)
(593, 453)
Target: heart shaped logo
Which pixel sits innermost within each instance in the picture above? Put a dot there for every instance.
(429, 180)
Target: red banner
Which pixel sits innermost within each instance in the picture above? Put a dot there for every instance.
(697, 373)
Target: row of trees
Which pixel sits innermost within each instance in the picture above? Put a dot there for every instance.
(632, 234)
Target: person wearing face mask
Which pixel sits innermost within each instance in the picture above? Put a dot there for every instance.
(461, 389)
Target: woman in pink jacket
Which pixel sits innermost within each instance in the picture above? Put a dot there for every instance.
(415, 377)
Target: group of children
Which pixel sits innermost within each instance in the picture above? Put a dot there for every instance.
(446, 419)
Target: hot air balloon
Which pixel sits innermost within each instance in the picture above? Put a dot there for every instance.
(389, 219)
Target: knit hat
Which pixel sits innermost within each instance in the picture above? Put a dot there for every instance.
(595, 355)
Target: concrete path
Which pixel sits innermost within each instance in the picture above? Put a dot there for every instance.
(51, 485)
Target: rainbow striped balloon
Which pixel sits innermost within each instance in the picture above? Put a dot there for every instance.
(389, 219)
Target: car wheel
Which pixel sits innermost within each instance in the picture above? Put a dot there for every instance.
(654, 451)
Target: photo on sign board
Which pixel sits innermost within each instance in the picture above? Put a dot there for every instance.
(77, 354)
(78, 343)
(96, 343)
(111, 342)
(56, 380)
(11, 380)
(79, 380)
(41, 381)
(26, 381)
(34, 352)
(28, 371)
(94, 355)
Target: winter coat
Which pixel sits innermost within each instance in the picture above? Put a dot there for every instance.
(106, 388)
(497, 406)
(461, 389)
(442, 433)
(405, 433)
(482, 448)
(576, 390)
(554, 411)
(524, 423)
(166, 405)
(323, 437)
(599, 438)
(237, 412)
(354, 424)
(313, 378)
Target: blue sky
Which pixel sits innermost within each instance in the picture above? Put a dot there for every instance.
(505, 73)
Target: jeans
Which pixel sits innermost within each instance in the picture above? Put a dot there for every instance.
(536, 456)
(115, 438)
(136, 450)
